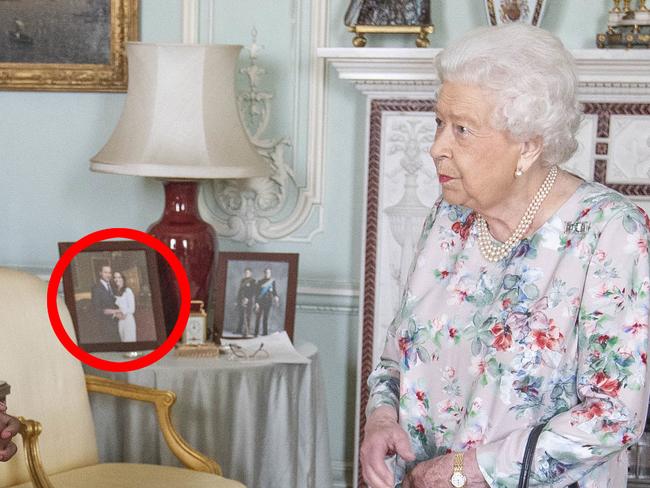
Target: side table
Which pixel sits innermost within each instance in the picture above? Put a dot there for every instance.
(265, 423)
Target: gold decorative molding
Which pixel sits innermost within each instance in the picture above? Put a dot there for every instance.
(29, 431)
(422, 31)
(110, 77)
(162, 400)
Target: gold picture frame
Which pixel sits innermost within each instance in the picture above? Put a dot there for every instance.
(35, 34)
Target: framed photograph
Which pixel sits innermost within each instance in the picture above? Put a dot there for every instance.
(66, 45)
(256, 294)
(113, 294)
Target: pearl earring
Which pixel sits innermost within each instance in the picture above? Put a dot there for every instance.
(518, 173)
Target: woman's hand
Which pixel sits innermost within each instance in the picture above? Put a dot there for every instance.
(437, 472)
(9, 427)
(383, 437)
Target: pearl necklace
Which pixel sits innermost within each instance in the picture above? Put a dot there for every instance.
(494, 252)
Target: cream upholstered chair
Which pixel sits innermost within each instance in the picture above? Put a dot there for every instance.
(48, 385)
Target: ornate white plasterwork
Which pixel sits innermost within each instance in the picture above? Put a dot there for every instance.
(244, 210)
(629, 142)
(287, 205)
(582, 161)
(409, 188)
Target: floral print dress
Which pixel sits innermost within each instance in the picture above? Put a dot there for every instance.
(481, 352)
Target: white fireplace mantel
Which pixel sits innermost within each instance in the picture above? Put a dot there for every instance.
(605, 74)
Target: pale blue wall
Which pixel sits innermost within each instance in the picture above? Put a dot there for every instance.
(49, 195)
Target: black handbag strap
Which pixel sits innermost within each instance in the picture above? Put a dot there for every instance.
(529, 453)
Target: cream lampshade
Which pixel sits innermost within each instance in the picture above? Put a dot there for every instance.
(181, 124)
(181, 119)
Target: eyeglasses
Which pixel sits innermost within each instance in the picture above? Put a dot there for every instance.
(235, 351)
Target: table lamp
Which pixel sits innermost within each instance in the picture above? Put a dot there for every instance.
(181, 124)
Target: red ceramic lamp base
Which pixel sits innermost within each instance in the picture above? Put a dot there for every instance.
(193, 241)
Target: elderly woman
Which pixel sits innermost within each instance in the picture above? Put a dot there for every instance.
(527, 301)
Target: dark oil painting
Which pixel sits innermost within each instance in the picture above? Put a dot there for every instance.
(55, 31)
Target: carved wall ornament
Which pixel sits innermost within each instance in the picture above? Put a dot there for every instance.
(623, 150)
(409, 141)
(245, 208)
(287, 205)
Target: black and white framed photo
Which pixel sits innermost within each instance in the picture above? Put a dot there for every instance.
(256, 294)
(113, 294)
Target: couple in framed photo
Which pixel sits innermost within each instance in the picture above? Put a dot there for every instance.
(113, 305)
(113, 294)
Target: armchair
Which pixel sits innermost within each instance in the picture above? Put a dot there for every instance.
(48, 384)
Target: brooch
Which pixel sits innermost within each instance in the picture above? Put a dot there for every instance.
(576, 227)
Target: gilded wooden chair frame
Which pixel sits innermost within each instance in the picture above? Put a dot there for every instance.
(162, 401)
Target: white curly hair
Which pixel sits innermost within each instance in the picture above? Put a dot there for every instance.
(532, 76)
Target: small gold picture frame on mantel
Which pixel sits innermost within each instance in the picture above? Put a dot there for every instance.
(66, 45)
(389, 17)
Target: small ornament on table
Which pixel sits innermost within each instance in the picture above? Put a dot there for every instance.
(626, 27)
(207, 350)
(389, 17)
(193, 343)
(195, 332)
